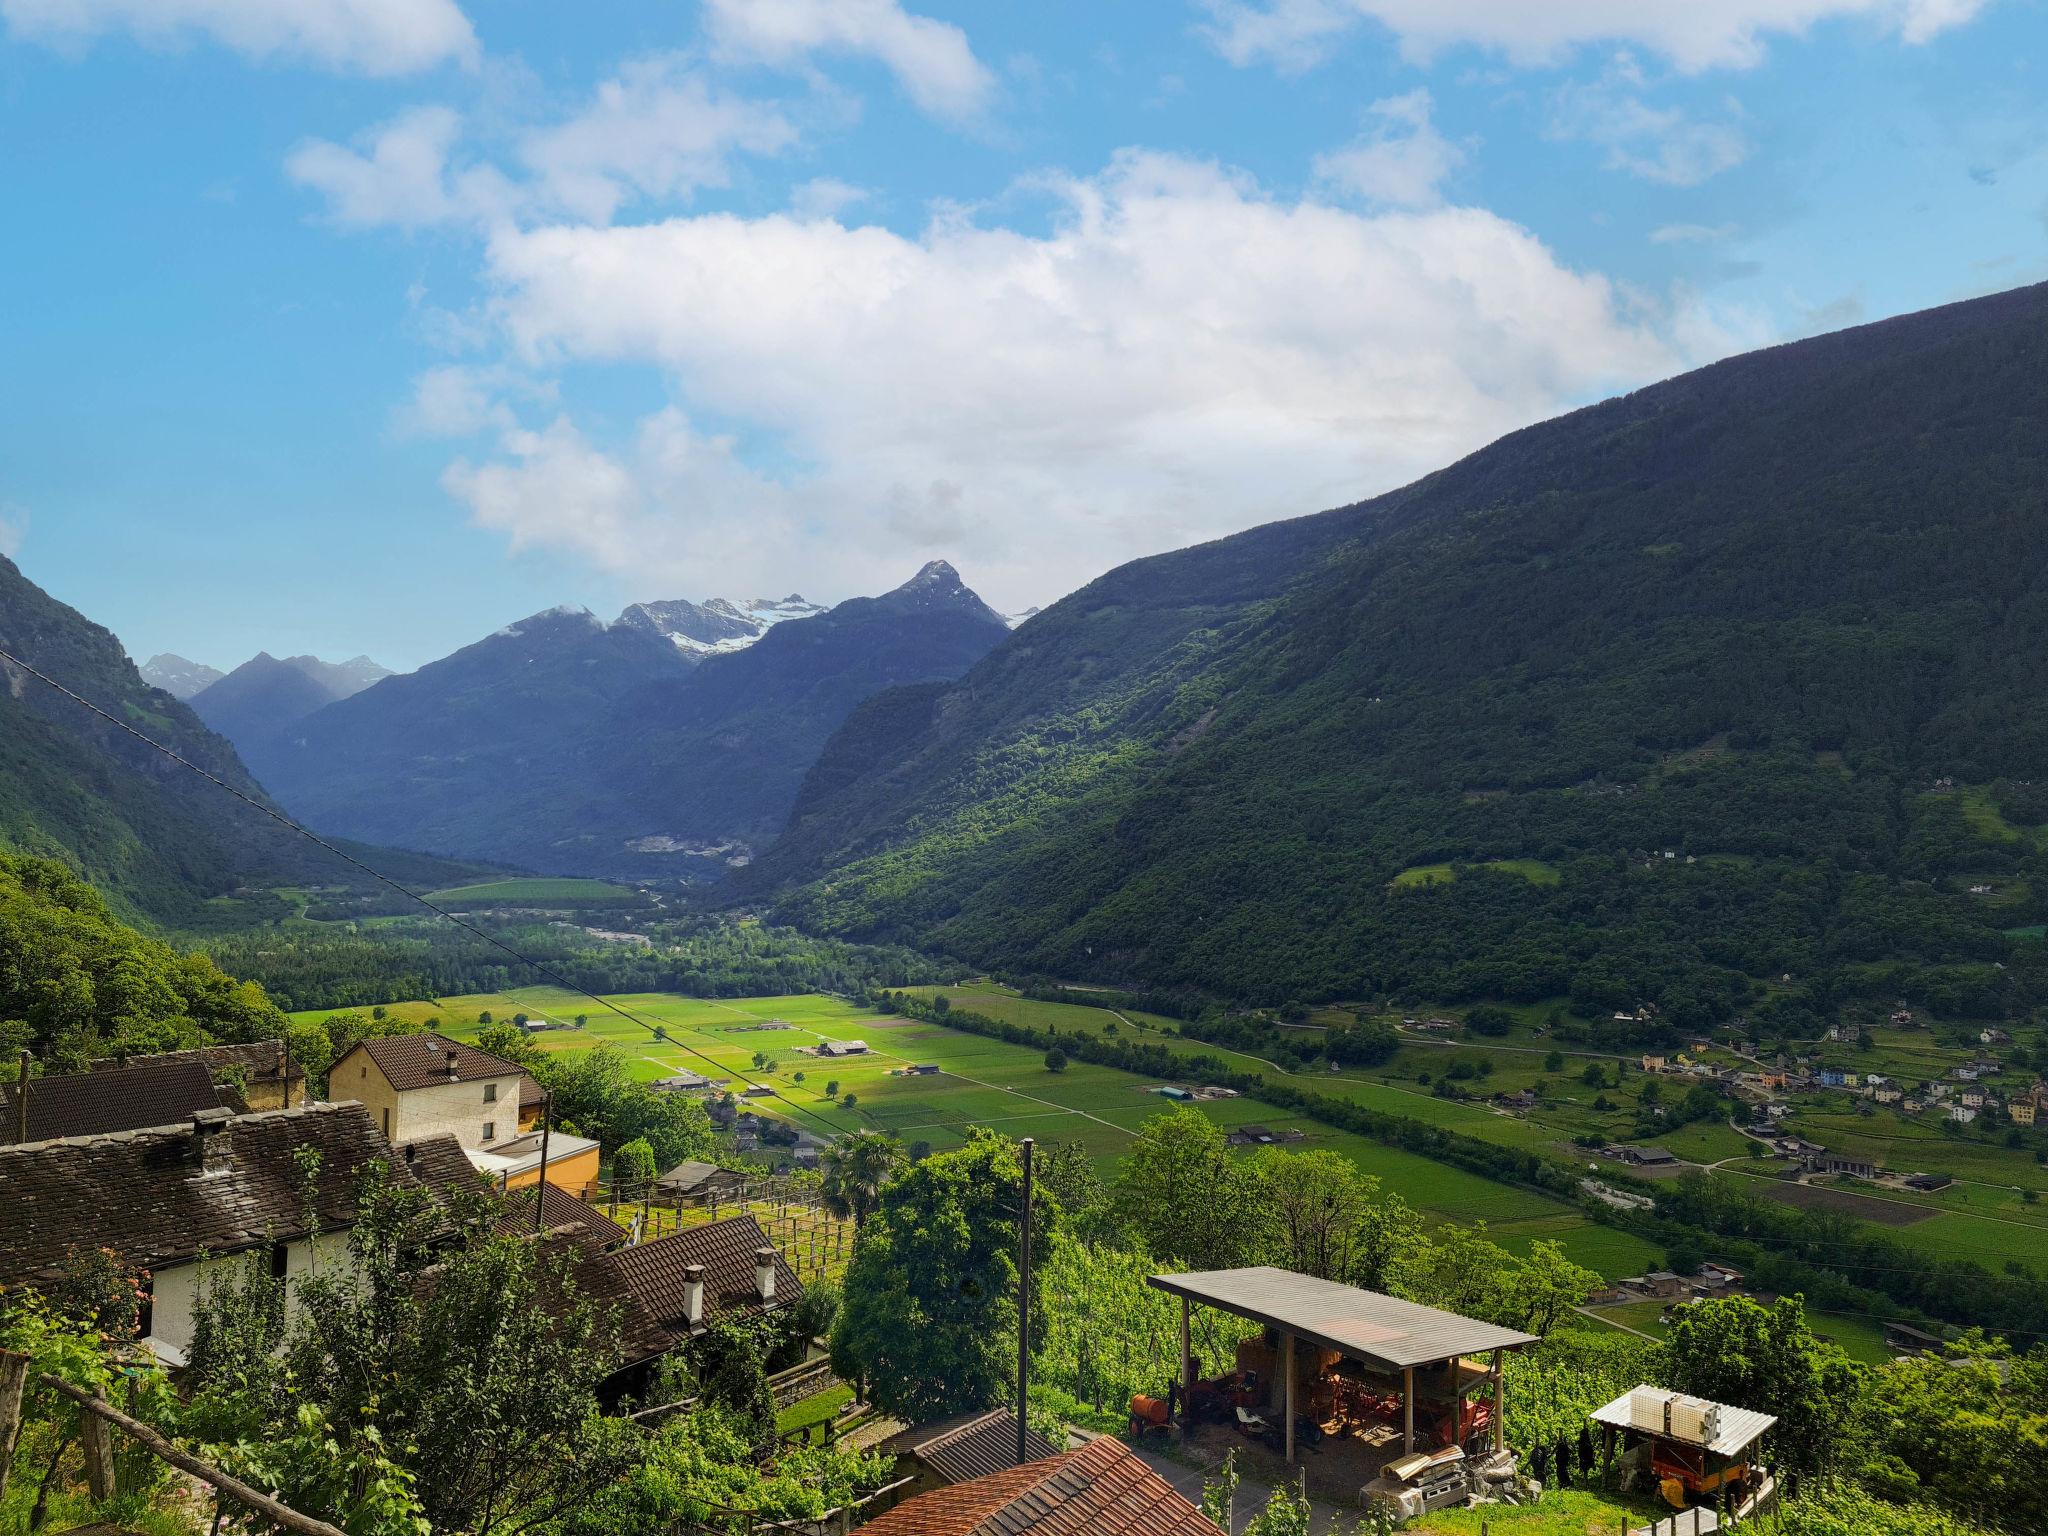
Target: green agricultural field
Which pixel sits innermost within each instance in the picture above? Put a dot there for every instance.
(1535, 871)
(539, 892)
(984, 1082)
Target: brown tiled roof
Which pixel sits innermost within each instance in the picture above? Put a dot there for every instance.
(985, 1444)
(531, 1094)
(1100, 1490)
(650, 1277)
(165, 1195)
(421, 1061)
(264, 1061)
(440, 1164)
(119, 1099)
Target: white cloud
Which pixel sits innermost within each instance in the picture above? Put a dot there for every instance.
(931, 60)
(462, 400)
(1179, 357)
(1402, 160)
(1692, 234)
(1660, 144)
(401, 174)
(656, 129)
(825, 197)
(375, 37)
(1693, 34)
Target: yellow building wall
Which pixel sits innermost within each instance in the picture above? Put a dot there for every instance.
(575, 1174)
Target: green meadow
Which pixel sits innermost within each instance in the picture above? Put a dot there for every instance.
(981, 1082)
(539, 892)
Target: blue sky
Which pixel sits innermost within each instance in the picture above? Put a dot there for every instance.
(369, 325)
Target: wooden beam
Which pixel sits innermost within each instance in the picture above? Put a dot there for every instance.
(1187, 1370)
(98, 1442)
(1500, 1399)
(1408, 1411)
(13, 1377)
(233, 1487)
(1287, 1396)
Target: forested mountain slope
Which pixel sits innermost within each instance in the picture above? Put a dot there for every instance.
(157, 838)
(1751, 617)
(570, 745)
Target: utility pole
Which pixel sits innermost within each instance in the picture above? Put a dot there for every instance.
(547, 1120)
(1024, 1310)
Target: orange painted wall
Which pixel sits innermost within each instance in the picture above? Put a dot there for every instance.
(574, 1174)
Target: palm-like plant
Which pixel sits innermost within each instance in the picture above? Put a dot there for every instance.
(855, 1168)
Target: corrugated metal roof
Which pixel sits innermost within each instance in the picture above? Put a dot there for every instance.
(1365, 1324)
(1738, 1429)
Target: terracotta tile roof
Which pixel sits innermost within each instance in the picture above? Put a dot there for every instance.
(165, 1195)
(1100, 1490)
(984, 1445)
(531, 1094)
(119, 1099)
(648, 1281)
(421, 1061)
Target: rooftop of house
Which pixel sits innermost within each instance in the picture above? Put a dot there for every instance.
(690, 1175)
(161, 1196)
(1102, 1489)
(261, 1061)
(430, 1060)
(650, 1282)
(975, 1445)
(514, 1155)
(440, 1164)
(119, 1098)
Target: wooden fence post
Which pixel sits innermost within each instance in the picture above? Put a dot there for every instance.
(97, 1436)
(13, 1377)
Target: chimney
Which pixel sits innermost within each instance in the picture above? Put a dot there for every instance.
(764, 1274)
(451, 1066)
(693, 1294)
(212, 1149)
(21, 1100)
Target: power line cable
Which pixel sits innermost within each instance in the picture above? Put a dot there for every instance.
(658, 1032)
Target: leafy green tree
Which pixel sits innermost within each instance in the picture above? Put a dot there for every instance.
(1185, 1196)
(1737, 1352)
(1323, 1217)
(471, 1393)
(1055, 1060)
(1554, 1062)
(848, 1100)
(855, 1170)
(929, 1319)
(634, 1163)
(831, 1087)
(732, 1376)
(1488, 1019)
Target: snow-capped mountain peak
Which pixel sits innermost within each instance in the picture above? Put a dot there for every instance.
(717, 624)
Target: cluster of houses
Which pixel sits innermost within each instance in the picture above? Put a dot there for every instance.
(191, 1159)
(1962, 1097)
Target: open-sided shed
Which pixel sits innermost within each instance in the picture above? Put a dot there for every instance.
(1386, 1335)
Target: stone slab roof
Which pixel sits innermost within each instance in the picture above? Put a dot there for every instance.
(117, 1099)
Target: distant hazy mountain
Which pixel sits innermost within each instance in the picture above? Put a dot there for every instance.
(177, 676)
(569, 744)
(265, 695)
(154, 837)
(716, 625)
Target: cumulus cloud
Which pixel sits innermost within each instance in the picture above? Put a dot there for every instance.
(1661, 144)
(1180, 356)
(931, 60)
(1693, 34)
(1401, 160)
(400, 173)
(825, 197)
(656, 130)
(375, 37)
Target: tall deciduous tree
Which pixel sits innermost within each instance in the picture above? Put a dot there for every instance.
(1184, 1194)
(1767, 1358)
(929, 1319)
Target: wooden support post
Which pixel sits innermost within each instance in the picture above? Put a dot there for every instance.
(13, 1377)
(97, 1438)
(1500, 1400)
(1187, 1369)
(1287, 1396)
(1408, 1411)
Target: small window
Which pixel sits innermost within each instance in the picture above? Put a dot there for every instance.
(279, 1255)
(387, 1125)
(364, 1072)
(490, 1130)
(490, 1093)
